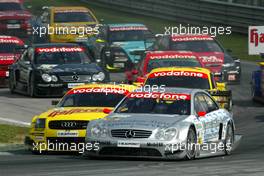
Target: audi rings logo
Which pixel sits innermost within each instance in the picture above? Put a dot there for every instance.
(75, 77)
(130, 134)
(68, 124)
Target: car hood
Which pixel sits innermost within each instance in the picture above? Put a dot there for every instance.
(70, 68)
(21, 14)
(7, 58)
(212, 60)
(142, 121)
(130, 46)
(74, 113)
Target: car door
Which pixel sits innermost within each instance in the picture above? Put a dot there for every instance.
(208, 119)
(23, 67)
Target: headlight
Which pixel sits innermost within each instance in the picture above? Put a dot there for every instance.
(166, 134)
(98, 77)
(46, 77)
(40, 123)
(54, 78)
(98, 131)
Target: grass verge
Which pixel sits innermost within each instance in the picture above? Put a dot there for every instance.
(236, 42)
(12, 134)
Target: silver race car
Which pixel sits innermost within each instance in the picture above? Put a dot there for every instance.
(172, 124)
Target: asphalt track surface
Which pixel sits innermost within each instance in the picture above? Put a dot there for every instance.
(248, 159)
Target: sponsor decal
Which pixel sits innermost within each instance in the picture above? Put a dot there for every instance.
(59, 49)
(129, 28)
(172, 56)
(105, 90)
(9, 40)
(179, 73)
(178, 38)
(73, 111)
(7, 58)
(14, 1)
(158, 95)
(67, 133)
(207, 59)
(255, 40)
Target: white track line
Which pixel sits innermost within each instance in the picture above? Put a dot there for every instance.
(14, 121)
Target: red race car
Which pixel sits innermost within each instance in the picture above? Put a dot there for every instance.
(158, 59)
(8, 55)
(14, 19)
(214, 57)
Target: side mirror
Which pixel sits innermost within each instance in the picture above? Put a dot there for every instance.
(107, 111)
(229, 50)
(220, 86)
(134, 72)
(141, 79)
(54, 102)
(100, 41)
(201, 113)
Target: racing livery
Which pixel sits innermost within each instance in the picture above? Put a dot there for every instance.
(52, 69)
(194, 78)
(172, 124)
(257, 83)
(158, 59)
(211, 54)
(66, 123)
(115, 45)
(14, 19)
(8, 55)
(70, 24)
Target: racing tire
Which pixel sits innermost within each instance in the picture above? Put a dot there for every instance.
(191, 144)
(229, 139)
(31, 87)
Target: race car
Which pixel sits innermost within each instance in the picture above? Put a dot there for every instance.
(14, 19)
(115, 45)
(172, 123)
(158, 59)
(257, 83)
(66, 24)
(52, 69)
(8, 55)
(194, 78)
(210, 52)
(66, 123)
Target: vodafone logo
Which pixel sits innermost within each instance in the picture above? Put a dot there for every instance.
(157, 95)
(178, 73)
(256, 40)
(7, 58)
(6, 40)
(61, 49)
(190, 38)
(174, 56)
(129, 28)
(99, 90)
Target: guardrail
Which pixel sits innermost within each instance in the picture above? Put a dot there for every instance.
(195, 12)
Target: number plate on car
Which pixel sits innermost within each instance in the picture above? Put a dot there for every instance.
(128, 144)
(71, 85)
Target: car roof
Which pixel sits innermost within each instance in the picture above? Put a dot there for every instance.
(107, 85)
(192, 69)
(56, 45)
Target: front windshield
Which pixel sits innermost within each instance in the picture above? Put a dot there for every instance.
(154, 106)
(7, 47)
(159, 63)
(196, 46)
(67, 17)
(10, 6)
(128, 35)
(91, 100)
(60, 57)
(179, 81)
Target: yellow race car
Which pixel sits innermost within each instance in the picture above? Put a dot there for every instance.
(69, 24)
(63, 128)
(195, 78)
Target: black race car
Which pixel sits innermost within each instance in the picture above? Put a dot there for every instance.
(52, 69)
(115, 45)
(212, 55)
